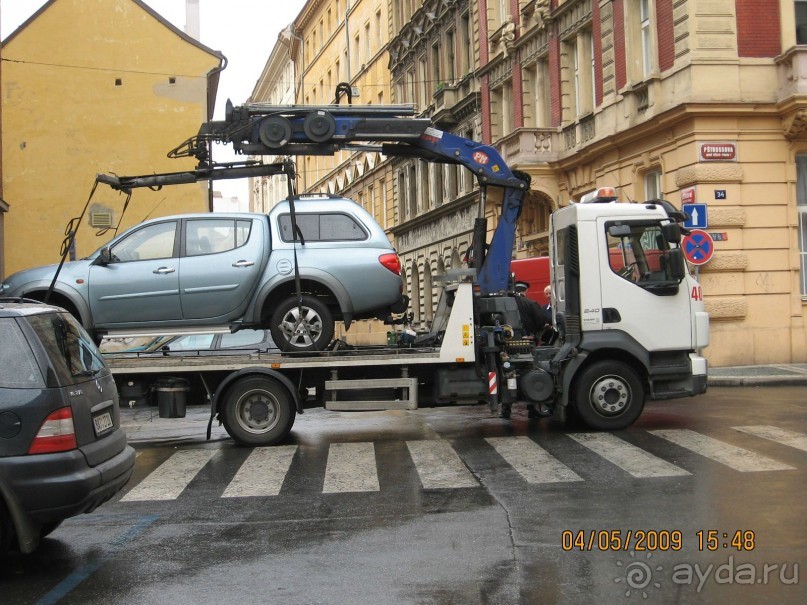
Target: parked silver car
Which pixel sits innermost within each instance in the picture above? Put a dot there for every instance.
(223, 269)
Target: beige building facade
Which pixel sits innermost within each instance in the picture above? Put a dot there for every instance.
(688, 101)
(96, 87)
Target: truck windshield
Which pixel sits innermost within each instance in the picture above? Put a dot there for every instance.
(639, 252)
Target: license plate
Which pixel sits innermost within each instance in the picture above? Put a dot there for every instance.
(102, 422)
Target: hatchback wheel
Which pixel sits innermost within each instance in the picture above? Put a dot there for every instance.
(305, 326)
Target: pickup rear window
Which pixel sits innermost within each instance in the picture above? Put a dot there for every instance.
(323, 227)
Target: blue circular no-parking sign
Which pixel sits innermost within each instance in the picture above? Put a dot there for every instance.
(698, 247)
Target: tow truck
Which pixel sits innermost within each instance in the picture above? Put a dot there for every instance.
(626, 331)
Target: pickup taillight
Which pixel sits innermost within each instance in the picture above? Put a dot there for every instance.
(391, 262)
(57, 433)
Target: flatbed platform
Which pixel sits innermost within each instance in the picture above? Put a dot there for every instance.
(203, 361)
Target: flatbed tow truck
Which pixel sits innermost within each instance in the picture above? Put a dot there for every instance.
(626, 332)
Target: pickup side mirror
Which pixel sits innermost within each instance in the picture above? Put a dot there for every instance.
(678, 269)
(105, 256)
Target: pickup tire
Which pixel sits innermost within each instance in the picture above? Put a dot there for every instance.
(258, 411)
(608, 395)
(309, 330)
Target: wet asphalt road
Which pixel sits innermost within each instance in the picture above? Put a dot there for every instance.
(449, 506)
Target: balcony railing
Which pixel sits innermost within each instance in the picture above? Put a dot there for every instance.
(529, 146)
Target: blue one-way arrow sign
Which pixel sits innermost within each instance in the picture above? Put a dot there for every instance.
(698, 218)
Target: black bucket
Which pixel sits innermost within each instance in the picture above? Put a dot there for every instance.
(172, 394)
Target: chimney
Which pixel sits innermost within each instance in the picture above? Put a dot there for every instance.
(192, 21)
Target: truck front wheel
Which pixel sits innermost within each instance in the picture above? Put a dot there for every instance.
(258, 411)
(608, 395)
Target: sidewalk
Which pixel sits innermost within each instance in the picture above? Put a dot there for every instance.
(790, 374)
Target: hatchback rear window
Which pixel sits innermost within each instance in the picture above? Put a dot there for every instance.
(73, 355)
(18, 367)
(323, 227)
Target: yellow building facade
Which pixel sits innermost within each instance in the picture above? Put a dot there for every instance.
(96, 86)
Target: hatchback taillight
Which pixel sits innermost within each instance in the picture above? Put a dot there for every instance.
(57, 433)
(391, 262)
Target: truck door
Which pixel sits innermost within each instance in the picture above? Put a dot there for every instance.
(141, 283)
(221, 261)
(639, 294)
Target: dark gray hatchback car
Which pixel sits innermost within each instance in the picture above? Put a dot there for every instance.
(62, 451)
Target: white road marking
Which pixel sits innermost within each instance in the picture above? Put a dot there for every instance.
(171, 477)
(439, 466)
(351, 468)
(531, 461)
(628, 457)
(773, 433)
(262, 473)
(734, 457)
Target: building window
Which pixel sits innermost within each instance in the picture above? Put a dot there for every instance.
(437, 78)
(451, 73)
(577, 77)
(466, 45)
(801, 207)
(423, 99)
(413, 192)
(801, 21)
(652, 185)
(537, 81)
(639, 40)
(644, 22)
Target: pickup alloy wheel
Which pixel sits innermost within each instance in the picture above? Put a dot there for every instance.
(306, 326)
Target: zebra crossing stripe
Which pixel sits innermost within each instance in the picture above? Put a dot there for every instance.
(171, 477)
(734, 457)
(351, 468)
(262, 473)
(626, 456)
(531, 461)
(772, 433)
(439, 466)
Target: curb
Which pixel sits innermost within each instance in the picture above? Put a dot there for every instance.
(757, 381)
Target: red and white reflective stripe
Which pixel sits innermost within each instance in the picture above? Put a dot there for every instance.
(493, 383)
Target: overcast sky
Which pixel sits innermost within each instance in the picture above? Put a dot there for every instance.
(245, 31)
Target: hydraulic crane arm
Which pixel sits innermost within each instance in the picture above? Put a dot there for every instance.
(260, 129)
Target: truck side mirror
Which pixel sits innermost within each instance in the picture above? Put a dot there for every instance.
(672, 232)
(678, 269)
(105, 256)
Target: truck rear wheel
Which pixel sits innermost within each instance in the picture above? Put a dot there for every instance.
(258, 411)
(608, 395)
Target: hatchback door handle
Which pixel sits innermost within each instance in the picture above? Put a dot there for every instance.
(243, 263)
(163, 270)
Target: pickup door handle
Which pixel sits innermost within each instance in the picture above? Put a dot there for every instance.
(163, 270)
(243, 263)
